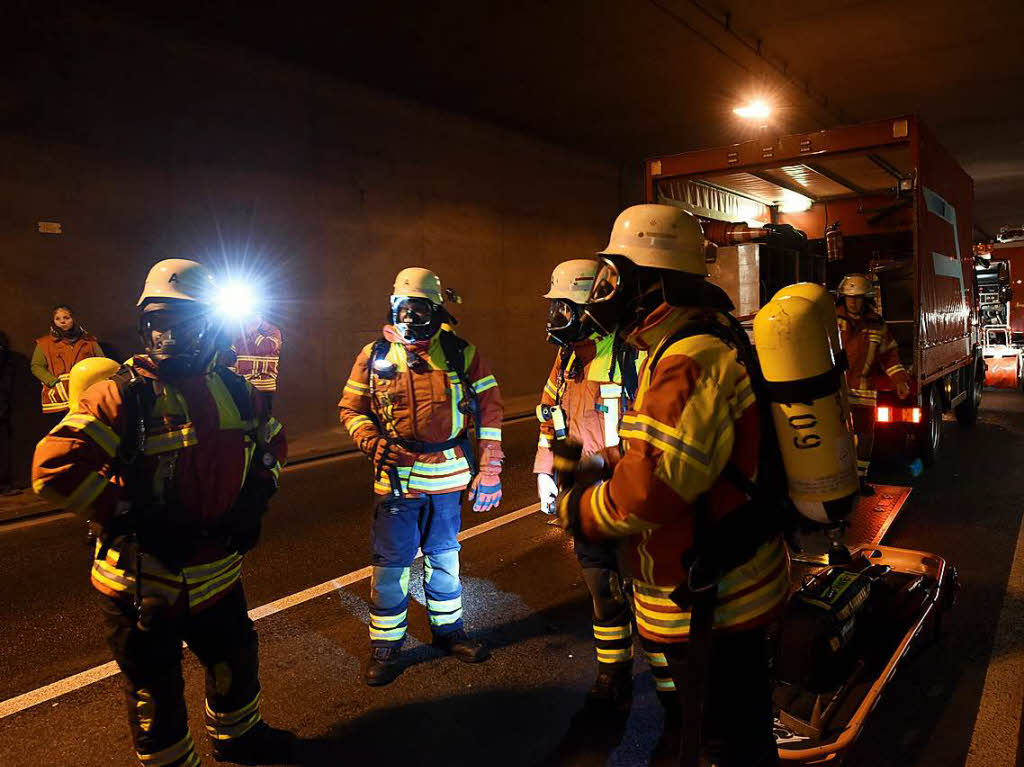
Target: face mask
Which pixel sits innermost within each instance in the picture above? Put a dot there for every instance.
(179, 341)
(564, 325)
(415, 319)
(619, 300)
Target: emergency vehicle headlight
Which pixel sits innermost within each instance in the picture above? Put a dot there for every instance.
(883, 415)
(235, 300)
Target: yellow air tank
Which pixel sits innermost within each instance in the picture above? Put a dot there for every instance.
(87, 372)
(798, 344)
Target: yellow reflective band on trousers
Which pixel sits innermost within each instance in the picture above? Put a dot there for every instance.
(611, 633)
(181, 753)
(225, 725)
(614, 655)
(204, 582)
(659, 670)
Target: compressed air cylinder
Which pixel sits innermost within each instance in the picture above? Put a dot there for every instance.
(798, 345)
(87, 372)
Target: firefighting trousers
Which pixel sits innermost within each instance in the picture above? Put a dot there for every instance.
(224, 640)
(738, 725)
(864, 427)
(613, 620)
(400, 527)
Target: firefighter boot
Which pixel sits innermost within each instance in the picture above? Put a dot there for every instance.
(262, 744)
(613, 688)
(383, 666)
(462, 647)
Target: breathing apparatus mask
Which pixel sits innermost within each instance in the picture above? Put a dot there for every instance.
(565, 322)
(179, 336)
(622, 296)
(416, 319)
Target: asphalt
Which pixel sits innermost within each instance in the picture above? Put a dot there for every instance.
(523, 596)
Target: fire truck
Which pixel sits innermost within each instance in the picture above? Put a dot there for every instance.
(881, 198)
(1000, 275)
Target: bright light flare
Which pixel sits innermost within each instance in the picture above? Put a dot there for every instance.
(883, 415)
(754, 110)
(793, 202)
(236, 300)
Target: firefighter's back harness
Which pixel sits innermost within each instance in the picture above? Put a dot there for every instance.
(454, 349)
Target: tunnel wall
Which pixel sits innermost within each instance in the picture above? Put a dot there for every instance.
(145, 148)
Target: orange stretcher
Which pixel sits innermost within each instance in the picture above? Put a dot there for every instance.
(818, 727)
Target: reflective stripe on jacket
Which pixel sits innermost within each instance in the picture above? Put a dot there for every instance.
(196, 439)
(590, 400)
(59, 356)
(694, 415)
(421, 405)
(257, 354)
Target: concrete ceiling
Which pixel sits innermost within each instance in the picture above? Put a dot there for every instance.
(627, 79)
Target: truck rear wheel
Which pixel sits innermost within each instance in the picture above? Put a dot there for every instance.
(967, 411)
(930, 432)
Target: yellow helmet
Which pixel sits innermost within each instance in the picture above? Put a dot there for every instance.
(659, 237)
(856, 285)
(572, 280)
(417, 282)
(180, 279)
(87, 372)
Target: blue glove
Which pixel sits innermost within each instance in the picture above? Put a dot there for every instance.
(485, 492)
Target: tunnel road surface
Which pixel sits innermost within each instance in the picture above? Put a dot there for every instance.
(956, 702)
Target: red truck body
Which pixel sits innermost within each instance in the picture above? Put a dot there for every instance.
(1013, 253)
(903, 207)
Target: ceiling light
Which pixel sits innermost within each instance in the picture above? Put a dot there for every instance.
(792, 202)
(754, 110)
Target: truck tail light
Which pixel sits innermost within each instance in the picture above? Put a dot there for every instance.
(887, 414)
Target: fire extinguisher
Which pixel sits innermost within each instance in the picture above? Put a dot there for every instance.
(834, 242)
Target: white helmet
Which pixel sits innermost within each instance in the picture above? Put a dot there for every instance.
(855, 285)
(572, 280)
(178, 278)
(659, 237)
(417, 282)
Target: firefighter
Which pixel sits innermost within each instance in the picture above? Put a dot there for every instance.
(255, 354)
(408, 404)
(56, 353)
(173, 461)
(683, 492)
(872, 354)
(591, 381)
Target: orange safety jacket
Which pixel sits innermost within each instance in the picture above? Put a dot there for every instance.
(583, 384)
(61, 356)
(257, 353)
(197, 449)
(424, 406)
(693, 415)
(873, 355)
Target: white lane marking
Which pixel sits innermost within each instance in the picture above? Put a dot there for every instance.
(98, 673)
(997, 726)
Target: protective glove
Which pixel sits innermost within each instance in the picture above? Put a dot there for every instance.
(547, 490)
(485, 492)
(591, 470)
(902, 388)
(385, 454)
